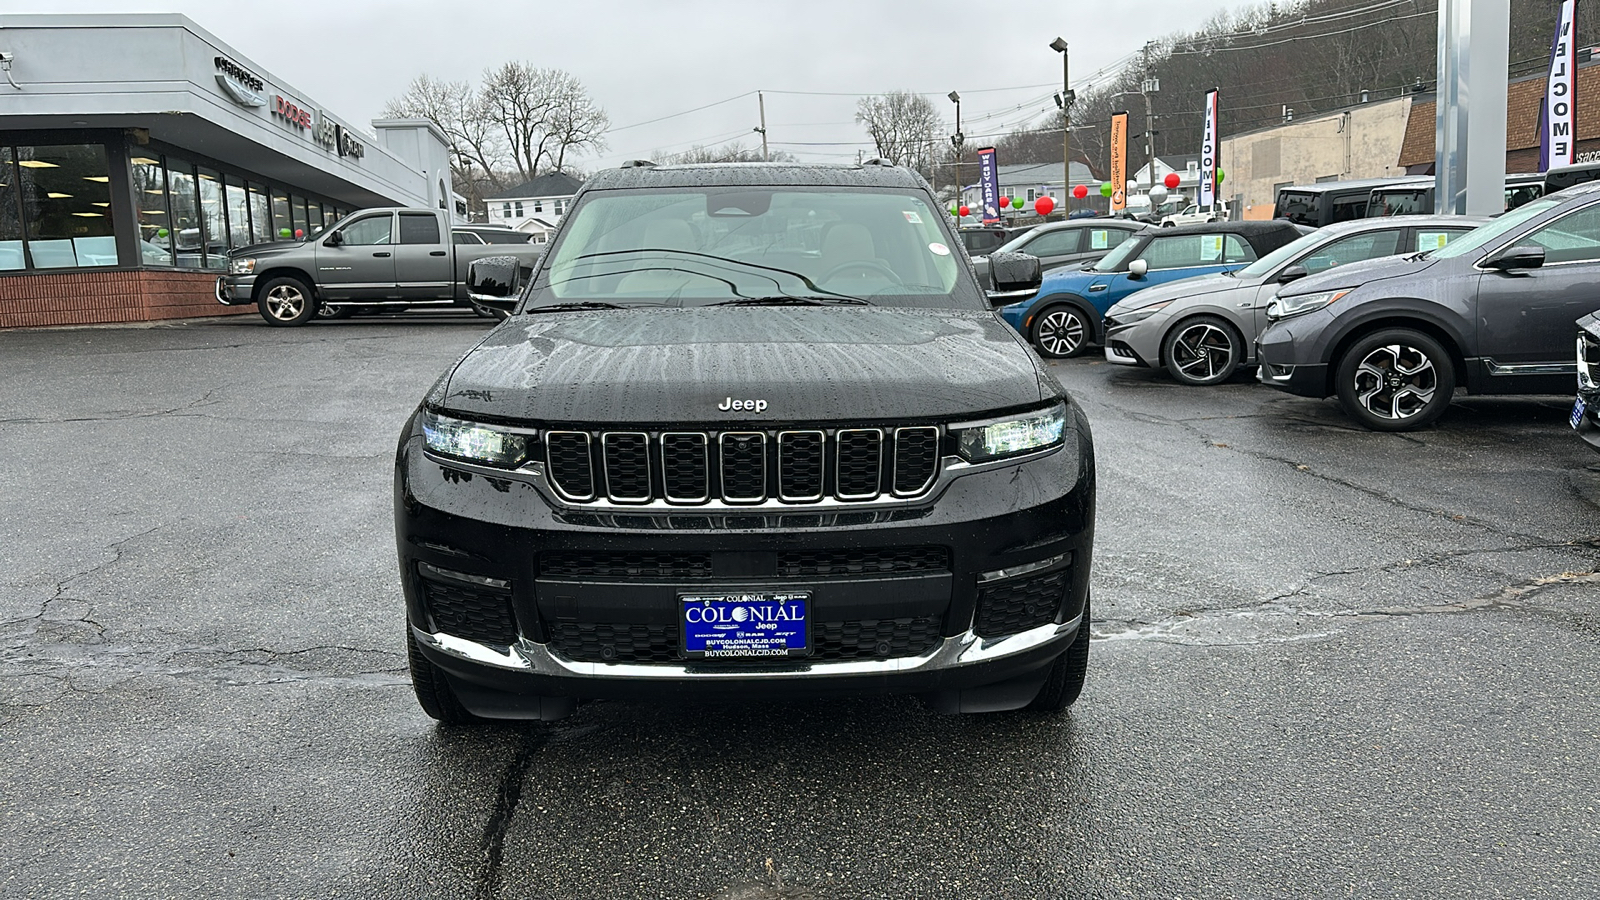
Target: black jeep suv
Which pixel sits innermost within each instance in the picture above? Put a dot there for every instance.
(748, 431)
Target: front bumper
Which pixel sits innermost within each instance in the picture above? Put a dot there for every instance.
(234, 290)
(611, 631)
(1588, 425)
(1281, 365)
(1133, 344)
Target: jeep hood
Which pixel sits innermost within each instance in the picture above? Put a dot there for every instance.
(676, 366)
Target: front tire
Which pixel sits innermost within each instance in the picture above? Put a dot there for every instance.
(1203, 351)
(432, 687)
(1061, 332)
(1065, 681)
(1397, 379)
(286, 301)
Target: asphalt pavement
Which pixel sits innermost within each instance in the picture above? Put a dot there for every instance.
(1328, 663)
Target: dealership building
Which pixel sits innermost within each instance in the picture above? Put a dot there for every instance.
(137, 150)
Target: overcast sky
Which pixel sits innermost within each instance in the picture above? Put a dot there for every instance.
(648, 59)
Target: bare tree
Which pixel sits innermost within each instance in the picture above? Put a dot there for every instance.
(903, 125)
(731, 152)
(476, 157)
(543, 114)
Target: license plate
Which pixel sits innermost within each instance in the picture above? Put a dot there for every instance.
(1577, 413)
(745, 624)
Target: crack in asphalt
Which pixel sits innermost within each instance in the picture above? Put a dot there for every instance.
(117, 549)
(149, 414)
(490, 877)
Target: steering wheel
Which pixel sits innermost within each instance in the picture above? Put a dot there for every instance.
(865, 265)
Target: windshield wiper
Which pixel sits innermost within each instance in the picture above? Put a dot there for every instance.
(795, 300)
(585, 304)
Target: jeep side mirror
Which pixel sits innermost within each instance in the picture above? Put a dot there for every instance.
(1515, 258)
(1138, 268)
(1016, 276)
(493, 282)
(1293, 273)
(333, 240)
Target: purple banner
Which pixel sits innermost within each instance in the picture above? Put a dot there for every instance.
(989, 183)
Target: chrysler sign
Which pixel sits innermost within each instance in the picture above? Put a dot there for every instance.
(240, 84)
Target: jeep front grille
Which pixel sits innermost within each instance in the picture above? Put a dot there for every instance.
(791, 467)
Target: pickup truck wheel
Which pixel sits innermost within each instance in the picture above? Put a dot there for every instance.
(1202, 351)
(1396, 379)
(1060, 332)
(1065, 681)
(286, 301)
(433, 690)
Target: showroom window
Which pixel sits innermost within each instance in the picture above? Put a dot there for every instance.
(213, 219)
(183, 202)
(282, 227)
(238, 212)
(11, 256)
(150, 211)
(260, 214)
(65, 197)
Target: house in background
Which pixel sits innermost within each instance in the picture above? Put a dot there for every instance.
(533, 207)
(1030, 181)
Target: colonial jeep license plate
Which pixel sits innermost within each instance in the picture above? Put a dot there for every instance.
(745, 624)
(1577, 413)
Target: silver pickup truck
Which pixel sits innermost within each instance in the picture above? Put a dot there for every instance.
(373, 259)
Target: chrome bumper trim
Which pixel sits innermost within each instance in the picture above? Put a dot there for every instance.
(952, 653)
(1497, 369)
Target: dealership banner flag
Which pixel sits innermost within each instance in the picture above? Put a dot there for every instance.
(1558, 138)
(1208, 154)
(989, 183)
(1119, 161)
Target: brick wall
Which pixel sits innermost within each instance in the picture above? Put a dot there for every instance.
(86, 298)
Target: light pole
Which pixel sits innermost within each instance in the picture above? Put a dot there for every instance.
(957, 140)
(1065, 102)
(762, 100)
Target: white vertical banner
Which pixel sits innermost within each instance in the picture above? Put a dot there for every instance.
(1560, 144)
(1209, 146)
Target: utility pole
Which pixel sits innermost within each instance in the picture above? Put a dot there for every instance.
(957, 140)
(1149, 86)
(762, 100)
(1065, 102)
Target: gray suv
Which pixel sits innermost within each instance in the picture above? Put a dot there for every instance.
(1492, 312)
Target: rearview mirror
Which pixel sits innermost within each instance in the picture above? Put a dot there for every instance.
(493, 282)
(1016, 276)
(1293, 273)
(1515, 258)
(333, 240)
(1138, 268)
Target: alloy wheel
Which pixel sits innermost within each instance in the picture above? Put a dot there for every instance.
(286, 302)
(1203, 351)
(1395, 381)
(1060, 332)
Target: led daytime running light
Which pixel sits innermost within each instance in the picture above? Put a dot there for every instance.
(996, 440)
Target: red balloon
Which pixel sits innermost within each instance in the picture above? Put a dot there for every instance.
(965, 211)
(1081, 191)
(1171, 181)
(1004, 202)
(1043, 205)
(299, 232)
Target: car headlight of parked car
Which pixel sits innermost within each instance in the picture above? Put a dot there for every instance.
(242, 266)
(1289, 307)
(1011, 437)
(1140, 314)
(475, 442)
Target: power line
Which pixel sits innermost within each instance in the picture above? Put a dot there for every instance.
(1305, 37)
(684, 113)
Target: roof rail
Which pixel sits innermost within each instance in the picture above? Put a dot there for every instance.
(637, 164)
(878, 161)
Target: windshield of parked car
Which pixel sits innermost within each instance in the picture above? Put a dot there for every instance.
(1261, 267)
(704, 246)
(1124, 251)
(1480, 237)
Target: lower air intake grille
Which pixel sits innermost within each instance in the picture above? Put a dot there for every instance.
(876, 638)
(587, 642)
(864, 639)
(1017, 605)
(625, 565)
(892, 561)
(470, 612)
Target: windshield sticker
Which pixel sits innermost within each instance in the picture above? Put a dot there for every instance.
(1099, 240)
(912, 217)
(937, 248)
(1212, 245)
(1432, 240)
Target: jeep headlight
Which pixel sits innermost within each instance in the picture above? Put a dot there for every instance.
(474, 441)
(1288, 307)
(1010, 437)
(245, 265)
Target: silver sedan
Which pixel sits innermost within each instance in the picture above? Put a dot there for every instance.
(1201, 330)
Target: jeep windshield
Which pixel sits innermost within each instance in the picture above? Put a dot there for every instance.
(683, 247)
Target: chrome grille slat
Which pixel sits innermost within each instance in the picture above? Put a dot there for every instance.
(794, 467)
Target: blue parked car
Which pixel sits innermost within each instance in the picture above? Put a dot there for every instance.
(1066, 315)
